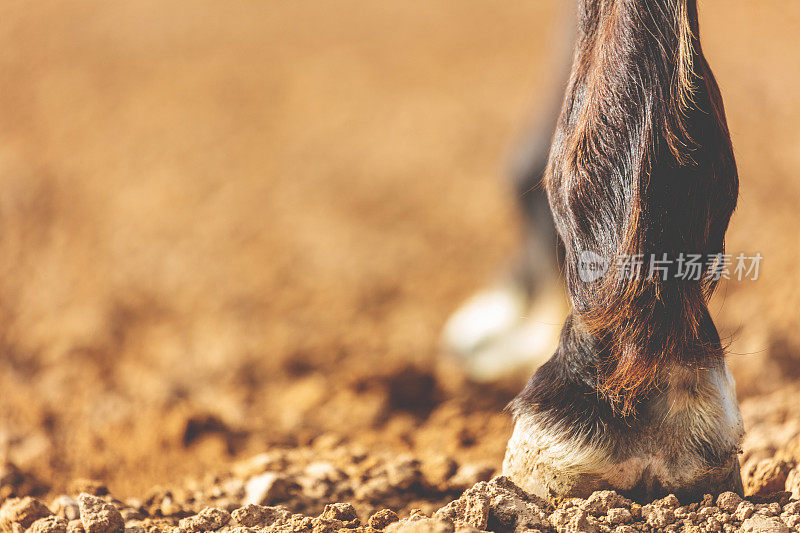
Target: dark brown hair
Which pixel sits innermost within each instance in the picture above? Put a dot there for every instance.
(642, 163)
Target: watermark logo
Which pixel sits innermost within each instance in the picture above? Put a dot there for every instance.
(591, 266)
(695, 267)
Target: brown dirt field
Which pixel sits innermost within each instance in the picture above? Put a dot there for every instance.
(229, 228)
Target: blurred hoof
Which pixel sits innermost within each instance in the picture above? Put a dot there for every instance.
(485, 316)
(501, 332)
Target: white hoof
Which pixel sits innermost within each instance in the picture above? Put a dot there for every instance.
(486, 315)
(499, 333)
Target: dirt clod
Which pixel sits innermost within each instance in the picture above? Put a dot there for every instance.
(344, 512)
(728, 501)
(601, 501)
(497, 504)
(619, 516)
(49, 524)
(98, 516)
(471, 510)
(582, 522)
(217, 503)
(657, 516)
(762, 524)
(382, 518)
(209, 519)
(252, 515)
(744, 510)
(21, 512)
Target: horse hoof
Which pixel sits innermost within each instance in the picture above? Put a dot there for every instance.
(501, 332)
(568, 441)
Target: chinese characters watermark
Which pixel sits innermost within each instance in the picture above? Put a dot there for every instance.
(691, 267)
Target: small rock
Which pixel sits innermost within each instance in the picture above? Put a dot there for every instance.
(707, 512)
(671, 502)
(267, 489)
(601, 501)
(252, 515)
(573, 519)
(658, 516)
(344, 512)
(581, 522)
(636, 511)
(712, 524)
(50, 524)
(471, 509)
(297, 522)
(772, 509)
(792, 521)
(517, 514)
(744, 511)
(503, 485)
(98, 516)
(560, 518)
(23, 511)
(792, 508)
(728, 501)
(509, 505)
(619, 516)
(209, 519)
(326, 525)
(708, 501)
(382, 518)
(763, 524)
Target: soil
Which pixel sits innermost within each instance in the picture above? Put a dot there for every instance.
(230, 234)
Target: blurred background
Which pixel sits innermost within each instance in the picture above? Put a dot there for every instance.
(226, 226)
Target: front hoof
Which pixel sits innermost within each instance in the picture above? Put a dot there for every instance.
(570, 440)
(554, 463)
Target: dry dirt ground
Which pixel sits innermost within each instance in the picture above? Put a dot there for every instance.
(235, 228)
